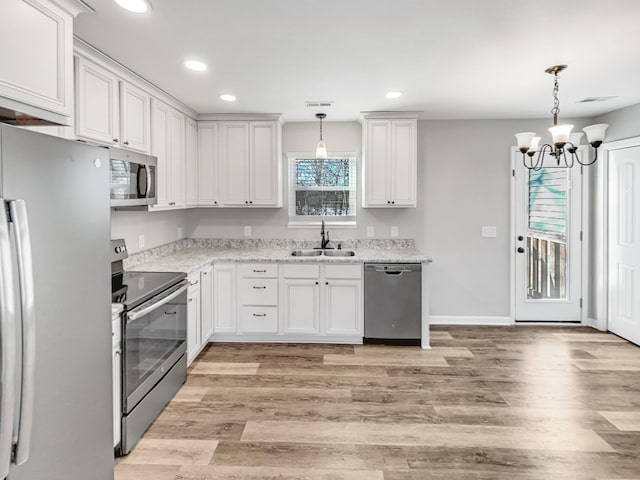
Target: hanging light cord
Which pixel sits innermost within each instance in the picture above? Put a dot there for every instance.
(320, 128)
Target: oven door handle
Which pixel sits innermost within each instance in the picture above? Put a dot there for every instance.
(144, 310)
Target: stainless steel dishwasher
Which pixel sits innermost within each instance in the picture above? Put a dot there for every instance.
(392, 303)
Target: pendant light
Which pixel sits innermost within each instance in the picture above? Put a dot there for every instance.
(321, 148)
(563, 140)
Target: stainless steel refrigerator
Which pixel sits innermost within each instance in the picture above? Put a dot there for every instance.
(55, 320)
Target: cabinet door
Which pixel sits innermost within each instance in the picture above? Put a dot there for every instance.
(208, 165)
(160, 147)
(343, 307)
(264, 164)
(193, 322)
(37, 57)
(301, 308)
(177, 132)
(235, 163)
(191, 163)
(134, 118)
(97, 103)
(206, 303)
(403, 163)
(224, 298)
(376, 163)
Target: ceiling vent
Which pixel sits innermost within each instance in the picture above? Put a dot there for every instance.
(317, 104)
(596, 99)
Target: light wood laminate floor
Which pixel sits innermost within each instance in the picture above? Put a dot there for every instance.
(525, 402)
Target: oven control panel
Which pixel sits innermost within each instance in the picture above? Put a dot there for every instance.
(118, 250)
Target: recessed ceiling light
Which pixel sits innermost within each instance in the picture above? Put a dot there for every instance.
(195, 65)
(227, 97)
(135, 6)
(394, 94)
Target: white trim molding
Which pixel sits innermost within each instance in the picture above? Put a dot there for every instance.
(470, 320)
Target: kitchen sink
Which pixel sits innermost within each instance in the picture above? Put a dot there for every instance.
(339, 253)
(306, 253)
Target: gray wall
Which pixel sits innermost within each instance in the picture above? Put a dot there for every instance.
(158, 228)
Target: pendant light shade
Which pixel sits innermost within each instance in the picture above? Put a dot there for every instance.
(321, 148)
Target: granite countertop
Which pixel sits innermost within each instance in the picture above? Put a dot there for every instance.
(200, 254)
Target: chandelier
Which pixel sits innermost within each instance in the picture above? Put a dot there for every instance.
(565, 144)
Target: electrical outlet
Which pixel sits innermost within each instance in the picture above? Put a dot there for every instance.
(179, 232)
(247, 230)
(489, 231)
(370, 232)
(141, 241)
(394, 231)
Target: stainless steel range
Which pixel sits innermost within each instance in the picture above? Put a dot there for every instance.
(154, 328)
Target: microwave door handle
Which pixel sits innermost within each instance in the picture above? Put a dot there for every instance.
(8, 349)
(143, 194)
(148, 170)
(27, 299)
(142, 311)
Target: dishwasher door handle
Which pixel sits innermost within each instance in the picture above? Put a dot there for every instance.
(395, 273)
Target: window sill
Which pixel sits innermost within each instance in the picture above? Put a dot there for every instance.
(317, 223)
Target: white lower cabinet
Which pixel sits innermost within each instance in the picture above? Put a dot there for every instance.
(323, 300)
(199, 311)
(194, 317)
(309, 302)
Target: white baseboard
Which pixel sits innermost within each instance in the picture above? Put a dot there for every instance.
(597, 324)
(471, 320)
(232, 338)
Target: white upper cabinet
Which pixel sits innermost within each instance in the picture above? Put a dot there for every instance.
(135, 125)
(97, 103)
(191, 163)
(251, 166)
(36, 77)
(390, 162)
(168, 145)
(109, 110)
(208, 160)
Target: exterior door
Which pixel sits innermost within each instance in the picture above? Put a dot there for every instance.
(624, 243)
(548, 245)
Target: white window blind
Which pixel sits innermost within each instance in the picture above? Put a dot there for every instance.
(548, 189)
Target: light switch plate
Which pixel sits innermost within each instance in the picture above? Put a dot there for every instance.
(370, 232)
(247, 230)
(394, 231)
(141, 241)
(489, 231)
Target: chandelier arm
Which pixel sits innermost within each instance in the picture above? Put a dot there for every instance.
(586, 164)
(572, 157)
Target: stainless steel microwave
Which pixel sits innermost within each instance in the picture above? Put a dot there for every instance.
(133, 178)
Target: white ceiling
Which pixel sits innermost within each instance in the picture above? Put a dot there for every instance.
(453, 59)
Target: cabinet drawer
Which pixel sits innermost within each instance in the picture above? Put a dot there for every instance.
(259, 291)
(343, 271)
(301, 271)
(259, 270)
(259, 319)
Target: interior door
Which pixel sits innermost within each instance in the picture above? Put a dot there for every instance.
(548, 246)
(624, 243)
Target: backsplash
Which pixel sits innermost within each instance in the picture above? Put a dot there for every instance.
(151, 254)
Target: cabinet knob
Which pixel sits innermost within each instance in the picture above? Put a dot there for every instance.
(388, 201)
(215, 203)
(126, 142)
(250, 201)
(246, 201)
(326, 283)
(115, 140)
(317, 283)
(393, 203)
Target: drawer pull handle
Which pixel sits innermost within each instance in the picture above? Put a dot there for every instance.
(194, 283)
(259, 314)
(259, 271)
(259, 288)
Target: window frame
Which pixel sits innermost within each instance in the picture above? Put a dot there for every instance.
(313, 221)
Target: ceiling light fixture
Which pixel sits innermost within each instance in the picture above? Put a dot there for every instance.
(563, 140)
(196, 65)
(321, 148)
(393, 94)
(135, 6)
(228, 97)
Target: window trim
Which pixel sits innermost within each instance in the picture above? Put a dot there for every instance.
(313, 221)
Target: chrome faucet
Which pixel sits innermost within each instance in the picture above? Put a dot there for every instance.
(325, 239)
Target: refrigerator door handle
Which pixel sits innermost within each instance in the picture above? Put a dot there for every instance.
(8, 350)
(18, 211)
